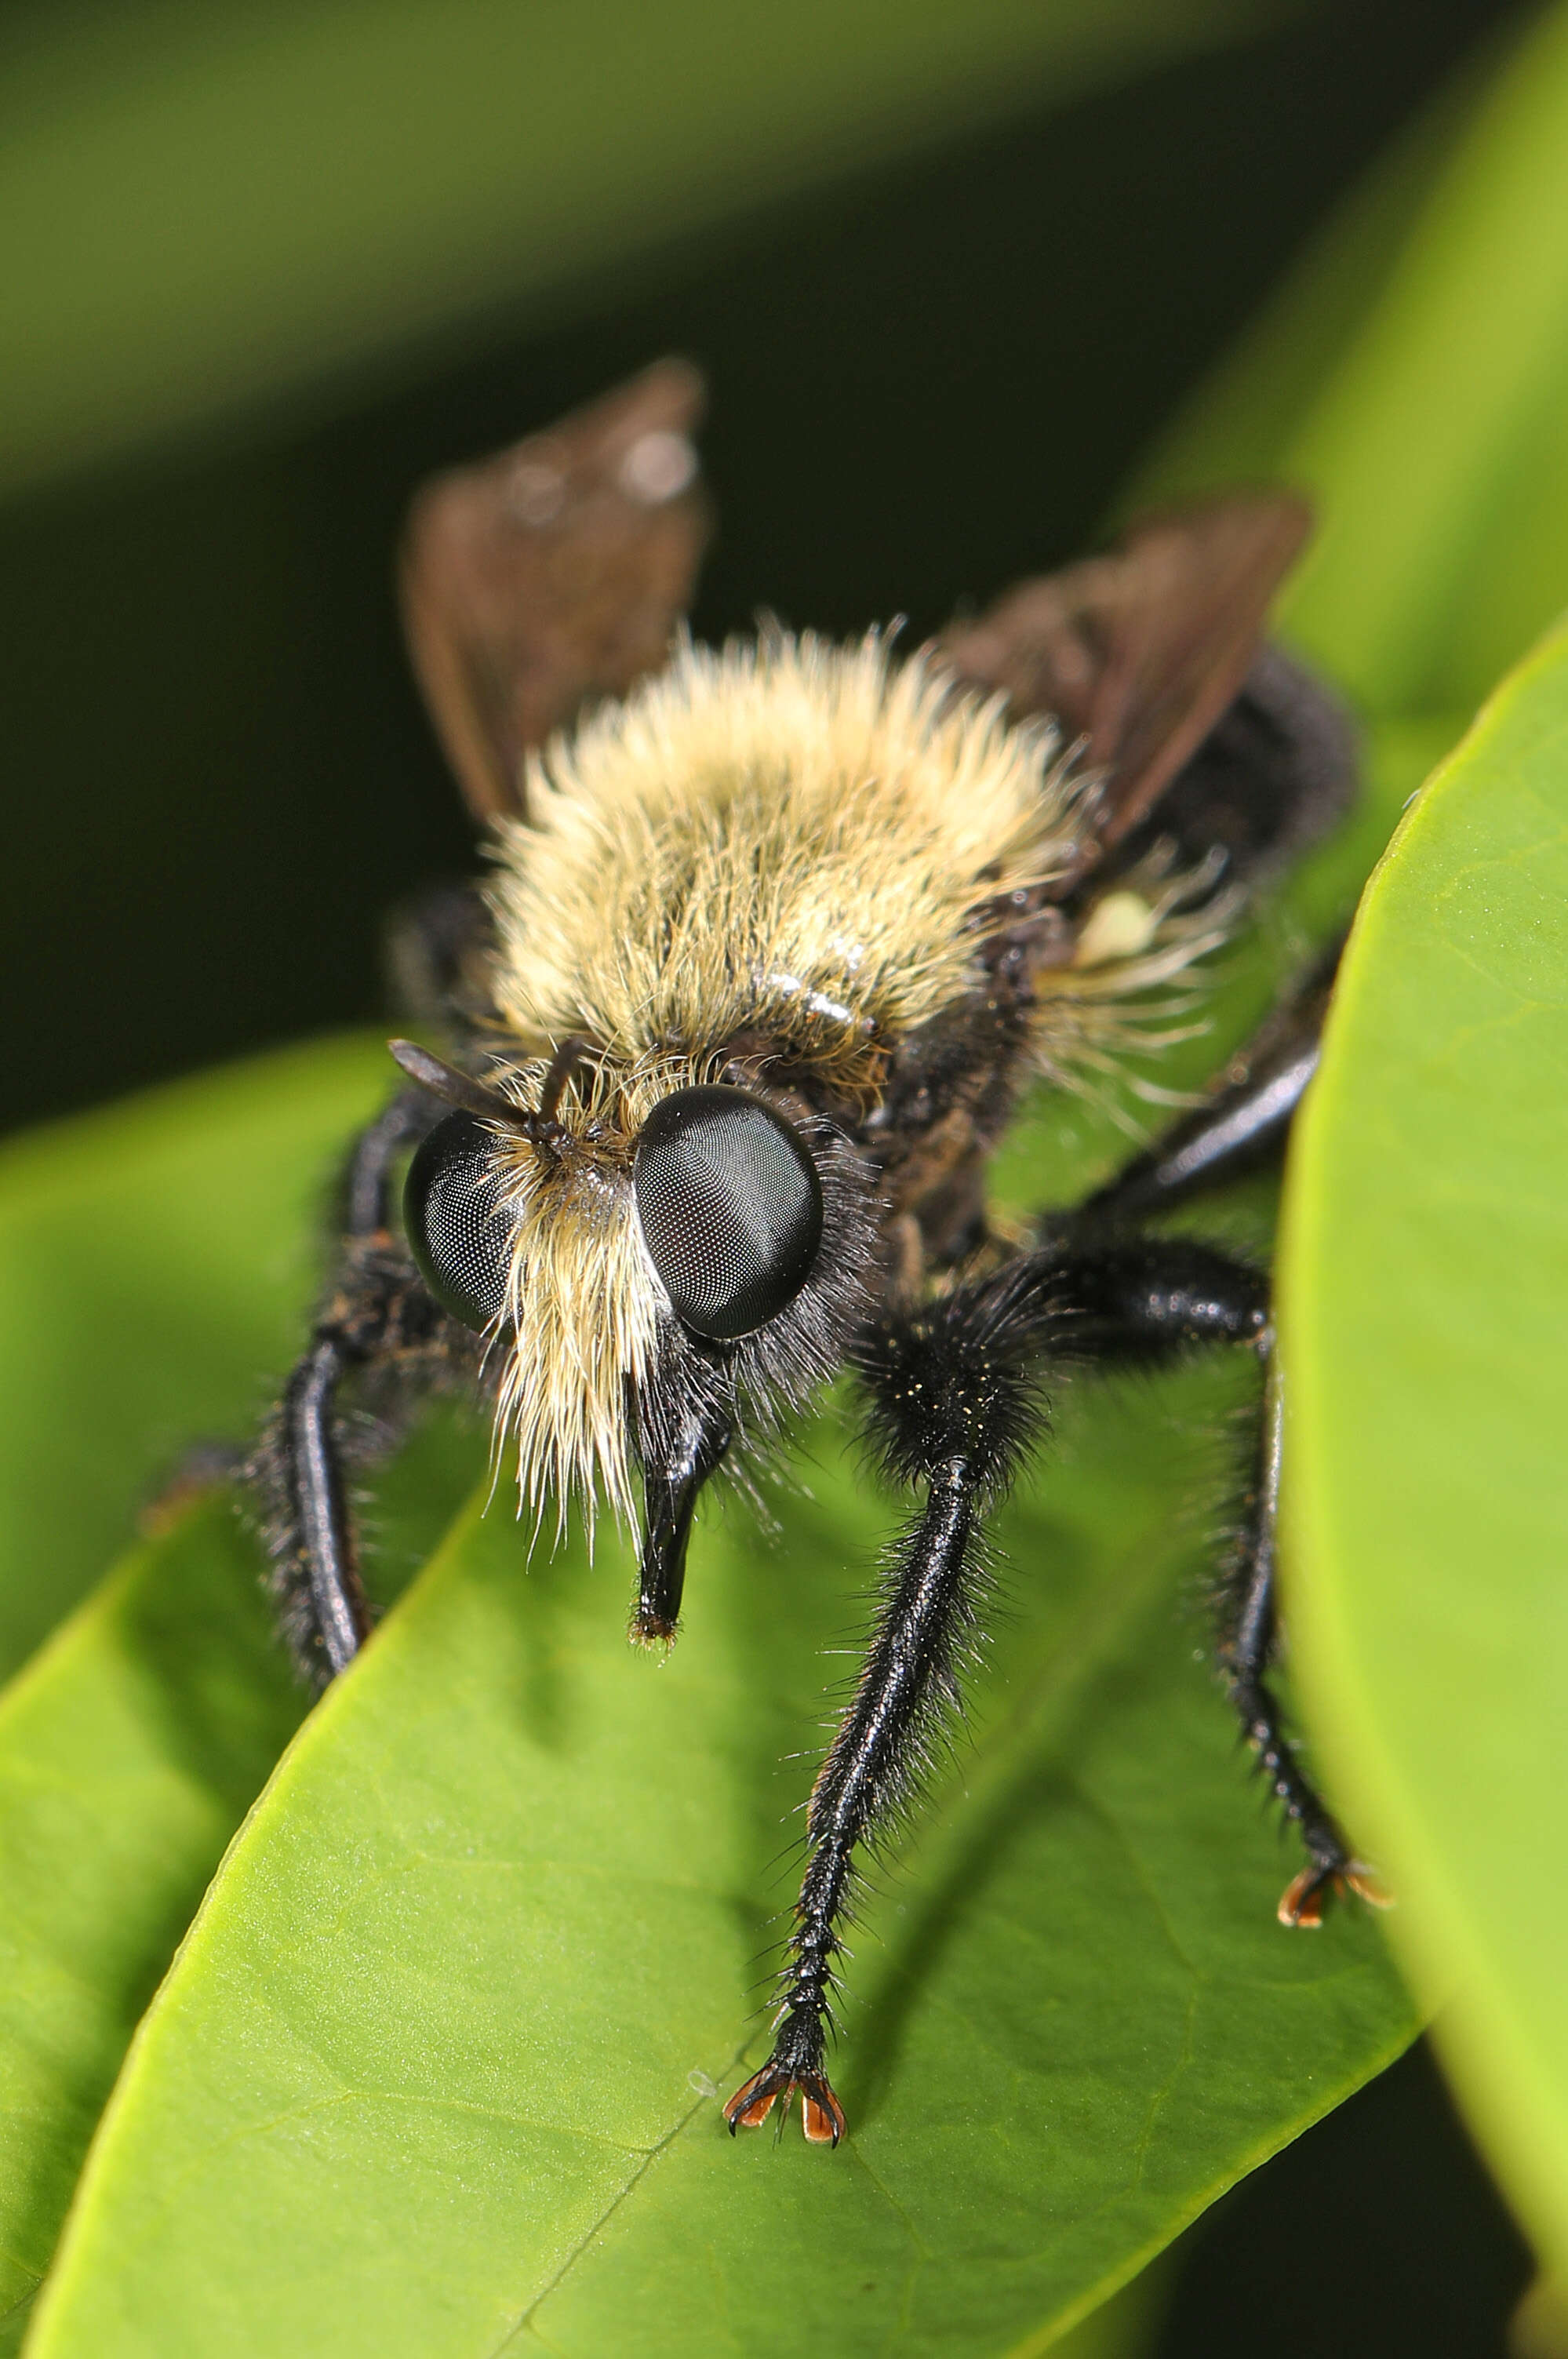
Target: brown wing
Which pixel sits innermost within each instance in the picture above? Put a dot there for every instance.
(1139, 652)
(553, 572)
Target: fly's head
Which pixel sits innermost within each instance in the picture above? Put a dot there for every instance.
(662, 1263)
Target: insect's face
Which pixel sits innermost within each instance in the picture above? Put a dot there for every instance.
(675, 1247)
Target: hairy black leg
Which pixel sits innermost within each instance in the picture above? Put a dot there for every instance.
(379, 1327)
(1144, 1300)
(322, 1578)
(366, 1184)
(954, 1400)
(953, 1403)
(1243, 1122)
(1245, 1118)
(1248, 1635)
(1134, 1300)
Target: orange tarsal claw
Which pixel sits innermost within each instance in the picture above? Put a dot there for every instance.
(1302, 1902)
(751, 2106)
(821, 2115)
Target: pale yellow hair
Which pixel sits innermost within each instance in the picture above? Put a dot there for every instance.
(783, 838)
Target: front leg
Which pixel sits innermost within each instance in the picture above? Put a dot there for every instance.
(380, 1328)
(954, 1405)
(956, 1401)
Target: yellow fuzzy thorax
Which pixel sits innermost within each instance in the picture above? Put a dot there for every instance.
(783, 837)
(780, 845)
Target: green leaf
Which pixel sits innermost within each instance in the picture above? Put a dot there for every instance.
(1415, 376)
(157, 1261)
(211, 204)
(129, 1752)
(435, 2058)
(1424, 1279)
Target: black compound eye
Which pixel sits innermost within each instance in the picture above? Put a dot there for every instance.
(459, 1230)
(731, 1209)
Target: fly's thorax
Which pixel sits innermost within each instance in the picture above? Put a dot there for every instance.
(782, 835)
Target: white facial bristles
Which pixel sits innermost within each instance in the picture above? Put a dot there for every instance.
(580, 1329)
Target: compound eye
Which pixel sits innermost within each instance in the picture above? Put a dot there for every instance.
(731, 1209)
(459, 1230)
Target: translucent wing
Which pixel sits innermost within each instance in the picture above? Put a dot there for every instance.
(553, 573)
(1142, 651)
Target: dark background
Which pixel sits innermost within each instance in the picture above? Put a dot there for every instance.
(924, 382)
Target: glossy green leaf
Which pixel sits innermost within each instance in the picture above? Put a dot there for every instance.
(1433, 437)
(202, 205)
(1424, 1285)
(157, 1260)
(129, 1750)
(156, 1264)
(438, 2057)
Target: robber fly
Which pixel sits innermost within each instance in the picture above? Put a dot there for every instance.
(773, 937)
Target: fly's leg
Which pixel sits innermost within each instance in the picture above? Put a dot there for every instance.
(1140, 1300)
(1247, 1639)
(1242, 1122)
(956, 1399)
(954, 1405)
(379, 1328)
(910, 1675)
